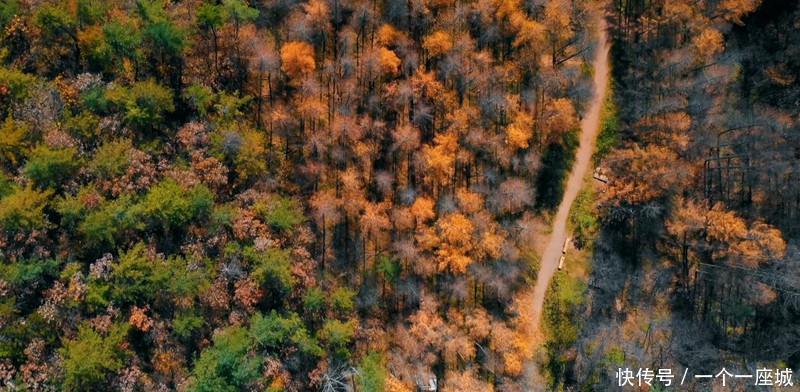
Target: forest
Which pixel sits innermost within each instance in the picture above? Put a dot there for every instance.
(352, 195)
(695, 261)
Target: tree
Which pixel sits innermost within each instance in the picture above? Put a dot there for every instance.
(144, 104)
(91, 358)
(23, 209)
(274, 332)
(519, 132)
(707, 45)
(168, 206)
(103, 227)
(137, 278)
(389, 62)
(280, 213)
(111, 159)
(59, 28)
(372, 373)
(166, 42)
(13, 143)
(297, 59)
(47, 167)
(456, 232)
(559, 117)
(272, 269)
(16, 87)
(437, 43)
(337, 336)
(228, 365)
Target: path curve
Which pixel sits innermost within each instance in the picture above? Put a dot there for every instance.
(590, 127)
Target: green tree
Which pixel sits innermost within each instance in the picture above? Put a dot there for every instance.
(83, 125)
(48, 168)
(90, 358)
(111, 159)
(17, 86)
(280, 213)
(6, 186)
(238, 12)
(314, 301)
(211, 16)
(13, 141)
(90, 11)
(165, 43)
(228, 365)
(144, 104)
(59, 28)
(29, 273)
(8, 9)
(372, 373)
(200, 98)
(123, 40)
(166, 40)
(275, 332)
(23, 209)
(337, 336)
(272, 268)
(185, 325)
(168, 206)
(102, 227)
(342, 299)
(138, 279)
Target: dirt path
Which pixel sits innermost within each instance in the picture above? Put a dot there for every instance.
(590, 127)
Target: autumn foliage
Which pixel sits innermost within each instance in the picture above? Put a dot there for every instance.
(242, 195)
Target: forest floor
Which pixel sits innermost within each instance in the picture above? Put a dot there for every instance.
(590, 127)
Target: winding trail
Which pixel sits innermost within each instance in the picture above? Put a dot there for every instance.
(590, 127)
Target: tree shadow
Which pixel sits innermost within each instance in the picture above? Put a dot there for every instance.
(556, 164)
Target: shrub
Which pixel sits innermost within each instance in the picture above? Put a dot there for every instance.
(609, 127)
(582, 218)
(389, 268)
